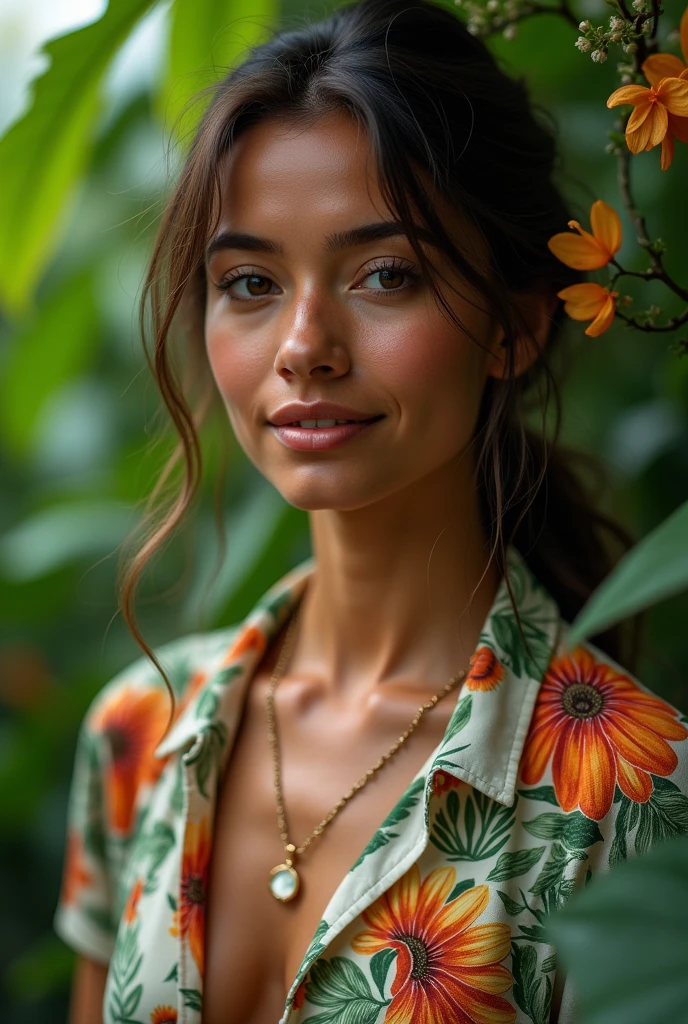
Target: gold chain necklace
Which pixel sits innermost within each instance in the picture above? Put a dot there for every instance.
(284, 880)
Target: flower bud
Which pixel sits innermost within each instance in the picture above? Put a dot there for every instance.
(510, 32)
(599, 56)
(583, 44)
(631, 48)
(616, 23)
(584, 26)
(615, 37)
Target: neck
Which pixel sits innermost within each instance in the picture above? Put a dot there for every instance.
(400, 591)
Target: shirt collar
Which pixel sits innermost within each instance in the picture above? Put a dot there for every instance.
(485, 736)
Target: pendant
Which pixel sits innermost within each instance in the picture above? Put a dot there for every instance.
(284, 882)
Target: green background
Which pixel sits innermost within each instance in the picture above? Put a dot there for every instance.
(78, 414)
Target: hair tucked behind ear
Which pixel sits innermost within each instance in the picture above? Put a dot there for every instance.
(445, 122)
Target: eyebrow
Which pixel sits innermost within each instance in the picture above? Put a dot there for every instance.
(333, 243)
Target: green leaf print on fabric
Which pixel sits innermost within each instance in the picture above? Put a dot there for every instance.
(228, 675)
(207, 705)
(664, 815)
(124, 996)
(530, 658)
(402, 810)
(545, 794)
(207, 756)
(342, 988)
(532, 989)
(551, 884)
(460, 887)
(154, 849)
(193, 999)
(484, 822)
(379, 967)
(575, 830)
(461, 717)
(510, 865)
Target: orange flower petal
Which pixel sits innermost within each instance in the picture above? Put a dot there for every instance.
(638, 116)
(662, 65)
(667, 152)
(404, 896)
(635, 783)
(673, 94)
(463, 911)
(584, 301)
(640, 746)
(491, 978)
(578, 252)
(480, 945)
(566, 765)
(606, 226)
(596, 772)
(538, 752)
(633, 94)
(604, 318)
(480, 1007)
(678, 127)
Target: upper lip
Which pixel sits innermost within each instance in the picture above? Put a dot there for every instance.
(296, 411)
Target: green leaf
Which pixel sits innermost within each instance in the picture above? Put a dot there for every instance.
(528, 984)
(400, 811)
(511, 906)
(341, 986)
(655, 569)
(552, 871)
(510, 865)
(637, 915)
(575, 830)
(44, 153)
(459, 888)
(207, 37)
(193, 999)
(61, 339)
(460, 718)
(379, 967)
(545, 794)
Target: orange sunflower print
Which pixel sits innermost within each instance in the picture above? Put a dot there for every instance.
(133, 902)
(164, 1015)
(443, 781)
(599, 728)
(252, 638)
(133, 722)
(194, 888)
(75, 875)
(486, 671)
(447, 967)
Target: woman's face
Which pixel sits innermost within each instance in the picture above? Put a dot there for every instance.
(304, 306)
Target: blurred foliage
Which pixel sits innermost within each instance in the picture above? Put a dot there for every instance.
(83, 178)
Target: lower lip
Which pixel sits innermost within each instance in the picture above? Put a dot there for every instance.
(318, 439)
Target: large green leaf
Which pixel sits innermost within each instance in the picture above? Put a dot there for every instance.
(52, 349)
(207, 37)
(655, 569)
(624, 940)
(44, 153)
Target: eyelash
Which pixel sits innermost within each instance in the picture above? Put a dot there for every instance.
(394, 263)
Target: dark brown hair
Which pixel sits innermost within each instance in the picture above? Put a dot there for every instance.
(444, 121)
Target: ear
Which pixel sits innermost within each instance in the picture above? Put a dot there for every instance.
(537, 308)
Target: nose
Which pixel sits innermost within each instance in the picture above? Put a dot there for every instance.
(311, 343)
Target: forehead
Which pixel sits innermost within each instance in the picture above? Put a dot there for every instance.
(295, 174)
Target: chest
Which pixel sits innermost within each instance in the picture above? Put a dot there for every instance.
(254, 943)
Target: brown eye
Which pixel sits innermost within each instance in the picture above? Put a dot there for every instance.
(391, 278)
(256, 285)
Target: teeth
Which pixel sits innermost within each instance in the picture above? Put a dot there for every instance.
(320, 423)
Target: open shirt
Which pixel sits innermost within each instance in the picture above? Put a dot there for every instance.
(555, 765)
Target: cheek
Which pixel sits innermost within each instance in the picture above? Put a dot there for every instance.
(239, 370)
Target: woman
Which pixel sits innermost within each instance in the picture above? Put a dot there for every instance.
(357, 251)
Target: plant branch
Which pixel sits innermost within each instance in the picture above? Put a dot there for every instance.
(670, 325)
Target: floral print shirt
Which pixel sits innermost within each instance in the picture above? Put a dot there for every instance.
(554, 766)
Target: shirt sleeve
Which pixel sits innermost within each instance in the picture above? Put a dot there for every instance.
(84, 918)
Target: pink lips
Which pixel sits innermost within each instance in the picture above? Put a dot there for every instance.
(307, 439)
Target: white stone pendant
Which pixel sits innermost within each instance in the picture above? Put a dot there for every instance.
(284, 882)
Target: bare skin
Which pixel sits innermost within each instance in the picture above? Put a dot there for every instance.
(403, 580)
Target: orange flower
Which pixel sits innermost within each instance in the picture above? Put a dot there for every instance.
(164, 1015)
(599, 729)
(443, 781)
(194, 887)
(586, 251)
(649, 125)
(133, 901)
(75, 875)
(251, 639)
(447, 968)
(486, 671)
(590, 301)
(665, 65)
(300, 994)
(133, 722)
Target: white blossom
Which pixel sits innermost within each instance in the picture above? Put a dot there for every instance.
(599, 56)
(583, 44)
(510, 32)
